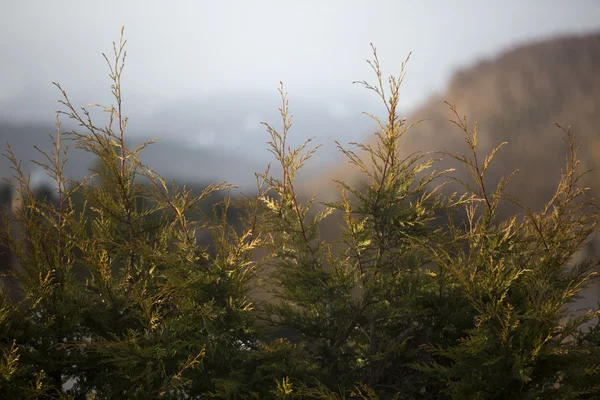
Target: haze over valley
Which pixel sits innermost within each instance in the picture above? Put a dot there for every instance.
(204, 88)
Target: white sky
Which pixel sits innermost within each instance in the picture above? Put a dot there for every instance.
(207, 72)
(182, 50)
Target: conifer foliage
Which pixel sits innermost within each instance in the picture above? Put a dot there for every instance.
(426, 295)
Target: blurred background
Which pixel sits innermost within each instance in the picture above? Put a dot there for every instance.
(202, 75)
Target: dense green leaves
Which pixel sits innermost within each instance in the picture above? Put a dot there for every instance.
(113, 296)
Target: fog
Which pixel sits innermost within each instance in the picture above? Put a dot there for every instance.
(203, 75)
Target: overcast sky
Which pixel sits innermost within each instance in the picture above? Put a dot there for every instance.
(193, 49)
(189, 62)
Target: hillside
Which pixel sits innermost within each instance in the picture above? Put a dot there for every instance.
(515, 97)
(170, 157)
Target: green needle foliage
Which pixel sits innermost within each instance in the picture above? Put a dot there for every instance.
(425, 294)
(116, 299)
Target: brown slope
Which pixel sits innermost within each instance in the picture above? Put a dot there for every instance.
(515, 97)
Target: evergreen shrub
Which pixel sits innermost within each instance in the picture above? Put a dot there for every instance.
(112, 296)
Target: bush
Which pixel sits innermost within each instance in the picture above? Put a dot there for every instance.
(117, 299)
